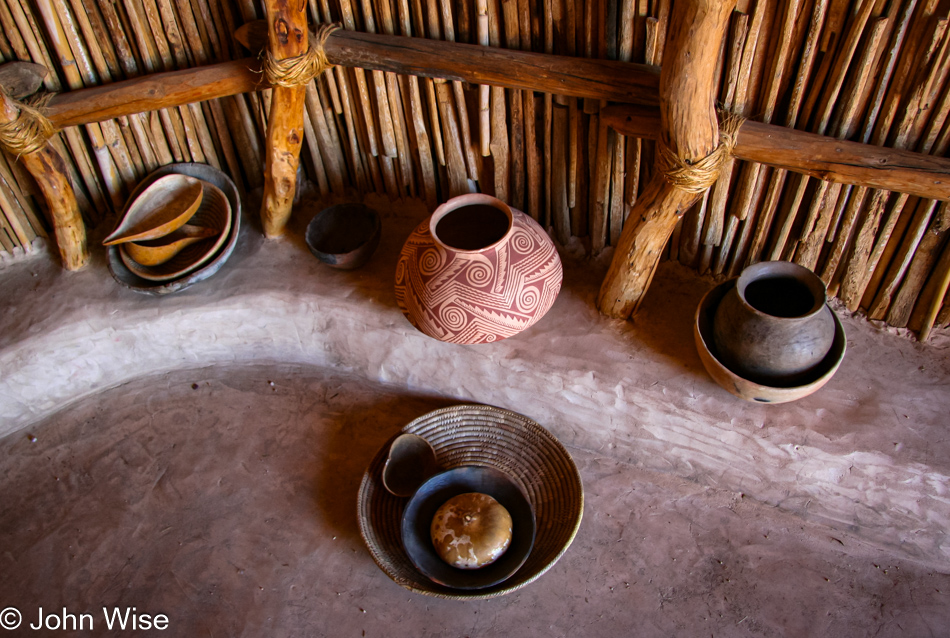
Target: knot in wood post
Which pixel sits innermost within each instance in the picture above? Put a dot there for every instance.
(697, 176)
(26, 132)
(300, 69)
(29, 131)
(689, 128)
(291, 58)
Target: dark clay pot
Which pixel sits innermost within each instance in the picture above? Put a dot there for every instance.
(774, 327)
(344, 236)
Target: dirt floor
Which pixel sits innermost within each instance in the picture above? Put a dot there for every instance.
(198, 457)
(224, 498)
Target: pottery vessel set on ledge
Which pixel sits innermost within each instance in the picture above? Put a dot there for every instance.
(769, 335)
(477, 271)
(178, 227)
(344, 236)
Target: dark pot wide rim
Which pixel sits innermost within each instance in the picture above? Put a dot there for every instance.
(775, 269)
(415, 526)
(747, 389)
(461, 201)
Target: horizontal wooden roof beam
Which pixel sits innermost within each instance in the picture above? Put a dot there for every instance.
(819, 156)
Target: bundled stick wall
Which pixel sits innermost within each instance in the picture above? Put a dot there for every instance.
(872, 71)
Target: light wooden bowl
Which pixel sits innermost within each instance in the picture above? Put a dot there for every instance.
(750, 390)
(155, 252)
(125, 277)
(161, 208)
(215, 213)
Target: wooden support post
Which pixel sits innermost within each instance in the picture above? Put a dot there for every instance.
(287, 38)
(49, 170)
(690, 130)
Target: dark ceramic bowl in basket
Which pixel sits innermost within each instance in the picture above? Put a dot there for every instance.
(419, 512)
(481, 435)
(344, 236)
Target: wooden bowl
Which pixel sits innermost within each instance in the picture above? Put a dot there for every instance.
(344, 236)
(214, 213)
(417, 519)
(164, 206)
(130, 280)
(750, 390)
(155, 252)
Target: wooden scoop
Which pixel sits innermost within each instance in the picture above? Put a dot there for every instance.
(410, 463)
(157, 251)
(160, 209)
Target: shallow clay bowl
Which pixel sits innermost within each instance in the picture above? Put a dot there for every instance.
(214, 213)
(417, 520)
(344, 236)
(750, 390)
(164, 206)
(206, 173)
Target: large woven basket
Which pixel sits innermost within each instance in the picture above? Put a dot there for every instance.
(487, 436)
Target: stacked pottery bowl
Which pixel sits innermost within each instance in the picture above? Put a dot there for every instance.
(769, 336)
(178, 227)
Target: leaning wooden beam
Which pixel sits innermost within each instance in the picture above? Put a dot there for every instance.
(689, 130)
(154, 92)
(49, 170)
(287, 38)
(819, 156)
(578, 77)
(596, 79)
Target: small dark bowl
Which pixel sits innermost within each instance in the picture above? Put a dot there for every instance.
(344, 236)
(417, 520)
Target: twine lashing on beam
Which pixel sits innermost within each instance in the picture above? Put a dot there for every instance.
(30, 130)
(300, 69)
(696, 177)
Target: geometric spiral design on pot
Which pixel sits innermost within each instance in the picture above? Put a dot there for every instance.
(470, 297)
